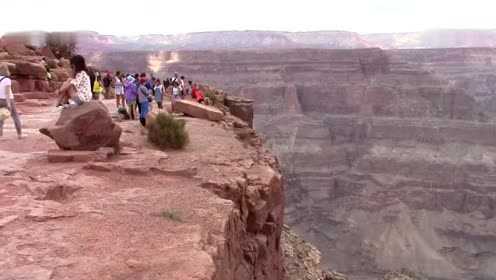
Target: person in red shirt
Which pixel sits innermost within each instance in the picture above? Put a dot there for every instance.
(196, 93)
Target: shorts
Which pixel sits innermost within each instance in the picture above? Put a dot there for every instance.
(77, 101)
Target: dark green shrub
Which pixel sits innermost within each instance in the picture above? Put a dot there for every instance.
(62, 44)
(172, 214)
(167, 132)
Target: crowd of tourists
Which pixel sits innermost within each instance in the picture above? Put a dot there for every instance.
(134, 93)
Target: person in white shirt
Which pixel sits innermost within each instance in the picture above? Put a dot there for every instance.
(7, 101)
(78, 88)
(119, 91)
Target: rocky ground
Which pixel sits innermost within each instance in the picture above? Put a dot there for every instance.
(140, 215)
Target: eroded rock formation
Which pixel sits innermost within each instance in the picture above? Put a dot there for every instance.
(34, 69)
(211, 211)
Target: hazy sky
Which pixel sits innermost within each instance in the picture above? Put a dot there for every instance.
(171, 17)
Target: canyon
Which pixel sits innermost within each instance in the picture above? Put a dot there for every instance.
(388, 155)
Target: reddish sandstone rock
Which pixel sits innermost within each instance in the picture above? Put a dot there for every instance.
(54, 85)
(37, 95)
(15, 48)
(58, 156)
(42, 85)
(19, 97)
(25, 85)
(65, 63)
(52, 63)
(86, 127)
(241, 108)
(29, 69)
(197, 110)
(47, 52)
(60, 74)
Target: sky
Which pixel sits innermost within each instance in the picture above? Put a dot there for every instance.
(183, 16)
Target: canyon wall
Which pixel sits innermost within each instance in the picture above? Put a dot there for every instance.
(388, 155)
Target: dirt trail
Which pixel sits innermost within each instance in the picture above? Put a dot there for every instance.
(142, 215)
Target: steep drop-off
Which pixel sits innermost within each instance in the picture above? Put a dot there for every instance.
(388, 155)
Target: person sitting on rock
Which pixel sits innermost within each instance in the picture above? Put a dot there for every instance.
(7, 100)
(197, 94)
(77, 89)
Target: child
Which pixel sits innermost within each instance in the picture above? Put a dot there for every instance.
(159, 93)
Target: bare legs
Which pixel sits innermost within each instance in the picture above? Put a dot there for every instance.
(14, 115)
(66, 92)
(120, 101)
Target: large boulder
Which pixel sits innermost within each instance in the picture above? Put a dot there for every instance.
(197, 110)
(25, 85)
(47, 52)
(15, 48)
(29, 69)
(60, 74)
(241, 108)
(86, 127)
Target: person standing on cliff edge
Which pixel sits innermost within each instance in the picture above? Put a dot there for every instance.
(7, 101)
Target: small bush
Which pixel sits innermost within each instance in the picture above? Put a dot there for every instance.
(171, 214)
(210, 94)
(167, 132)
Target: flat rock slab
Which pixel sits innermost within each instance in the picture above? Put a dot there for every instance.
(28, 272)
(37, 95)
(7, 220)
(57, 156)
(197, 110)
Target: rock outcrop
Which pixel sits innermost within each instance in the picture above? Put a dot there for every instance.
(241, 108)
(213, 210)
(32, 68)
(85, 127)
(197, 110)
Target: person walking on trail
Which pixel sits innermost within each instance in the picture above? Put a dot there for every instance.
(159, 93)
(98, 88)
(77, 90)
(131, 93)
(143, 95)
(7, 101)
(107, 84)
(119, 91)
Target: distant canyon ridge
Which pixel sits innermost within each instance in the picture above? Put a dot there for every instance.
(90, 42)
